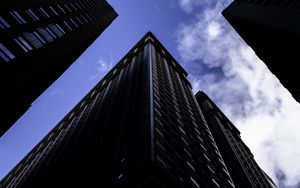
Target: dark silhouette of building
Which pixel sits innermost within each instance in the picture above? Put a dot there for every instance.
(39, 40)
(272, 29)
(238, 158)
(140, 126)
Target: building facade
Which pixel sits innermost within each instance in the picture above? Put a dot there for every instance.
(39, 40)
(272, 29)
(238, 158)
(140, 126)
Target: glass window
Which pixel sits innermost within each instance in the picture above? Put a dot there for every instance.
(3, 56)
(120, 176)
(78, 6)
(32, 15)
(194, 182)
(6, 53)
(44, 12)
(45, 34)
(84, 18)
(62, 10)
(77, 18)
(53, 10)
(73, 6)
(61, 30)
(3, 23)
(214, 181)
(56, 30)
(68, 7)
(81, 4)
(50, 32)
(25, 43)
(18, 17)
(89, 18)
(33, 40)
(67, 26)
(74, 23)
(37, 35)
(2, 26)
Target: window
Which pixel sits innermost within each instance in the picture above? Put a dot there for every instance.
(82, 5)
(44, 12)
(50, 32)
(160, 133)
(206, 158)
(54, 11)
(79, 7)
(73, 6)
(74, 23)
(5, 54)
(18, 17)
(190, 165)
(56, 30)
(39, 37)
(89, 18)
(120, 176)
(45, 34)
(162, 162)
(62, 10)
(79, 20)
(61, 30)
(214, 181)
(67, 26)
(210, 169)
(84, 18)
(3, 23)
(32, 15)
(33, 40)
(182, 130)
(194, 182)
(23, 44)
(67, 7)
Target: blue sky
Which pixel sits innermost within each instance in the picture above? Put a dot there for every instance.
(218, 62)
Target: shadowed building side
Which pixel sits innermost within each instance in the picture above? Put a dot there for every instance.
(39, 40)
(272, 29)
(238, 158)
(140, 126)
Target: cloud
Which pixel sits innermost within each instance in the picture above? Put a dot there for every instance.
(223, 66)
(190, 5)
(103, 65)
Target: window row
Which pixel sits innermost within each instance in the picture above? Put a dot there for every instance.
(37, 38)
(28, 41)
(46, 12)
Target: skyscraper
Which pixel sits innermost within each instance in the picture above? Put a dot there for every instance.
(140, 126)
(272, 29)
(39, 40)
(238, 158)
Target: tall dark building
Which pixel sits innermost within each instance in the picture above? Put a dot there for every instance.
(238, 158)
(272, 29)
(39, 40)
(140, 126)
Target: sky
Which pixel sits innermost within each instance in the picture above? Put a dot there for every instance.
(218, 62)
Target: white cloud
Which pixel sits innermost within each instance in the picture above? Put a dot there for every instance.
(252, 97)
(189, 5)
(103, 65)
